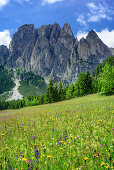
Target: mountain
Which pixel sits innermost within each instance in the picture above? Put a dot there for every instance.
(112, 51)
(54, 52)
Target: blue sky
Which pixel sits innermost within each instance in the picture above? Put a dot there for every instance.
(83, 15)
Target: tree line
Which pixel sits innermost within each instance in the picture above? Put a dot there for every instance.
(102, 81)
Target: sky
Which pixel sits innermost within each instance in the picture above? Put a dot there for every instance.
(82, 15)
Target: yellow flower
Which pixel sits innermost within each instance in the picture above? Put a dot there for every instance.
(42, 154)
(86, 158)
(15, 168)
(34, 144)
(94, 155)
(107, 167)
(49, 156)
(22, 168)
(24, 159)
(2, 134)
(102, 164)
(61, 141)
(6, 148)
(71, 136)
(61, 148)
(112, 167)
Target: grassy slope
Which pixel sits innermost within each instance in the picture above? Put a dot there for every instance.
(86, 121)
(29, 90)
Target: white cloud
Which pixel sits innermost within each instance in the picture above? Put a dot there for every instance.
(3, 3)
(50, 1)
(5, 38)
(99, 11)
(21, 1)
(95, 13)
(81, 20)
(105, 35)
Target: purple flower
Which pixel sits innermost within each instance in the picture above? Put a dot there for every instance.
(53, 130)
(85, 131)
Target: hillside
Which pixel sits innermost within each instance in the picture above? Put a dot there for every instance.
(19, 83)
(73, 134)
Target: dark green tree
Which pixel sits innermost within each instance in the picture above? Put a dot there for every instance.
(70, 91)
(107, 78)
(49, 97)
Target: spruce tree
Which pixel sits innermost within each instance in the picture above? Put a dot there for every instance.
(49, 97)
(70, 91)
(107, 78)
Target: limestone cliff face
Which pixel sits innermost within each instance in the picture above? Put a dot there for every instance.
(54, 52)
(4, 53)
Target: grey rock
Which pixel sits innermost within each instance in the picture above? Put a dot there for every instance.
(54, 52)
(4, 53)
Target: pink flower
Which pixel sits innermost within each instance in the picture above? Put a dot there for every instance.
(29, 160)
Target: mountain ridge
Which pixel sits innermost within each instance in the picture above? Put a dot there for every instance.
(52, 51)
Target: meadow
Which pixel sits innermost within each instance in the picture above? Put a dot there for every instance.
(68, 135)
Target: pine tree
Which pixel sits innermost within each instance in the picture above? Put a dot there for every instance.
(56, 95)
(61, 91)
(70, 91)
(49, 97)
(107, 78)
(88, 83)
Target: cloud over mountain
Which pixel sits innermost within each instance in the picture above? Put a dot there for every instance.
(5, 38)
(105, 35)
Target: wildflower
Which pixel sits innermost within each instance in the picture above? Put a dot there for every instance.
(61, 148)
(24, 159)
(22, 155)
(71, 136)
(85, 158)
(94, 155)
(43, 155)
(29, 160)
(53, 130)
(15, 168)
(107, 167)
(2, 134)
(49, 156)
(36, 153)
(85, 131)
(22, 168)
(102, 164)
(6, 148)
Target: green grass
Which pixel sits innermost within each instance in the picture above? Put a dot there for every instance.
(61, 134)
(5, 95)
(30, 90)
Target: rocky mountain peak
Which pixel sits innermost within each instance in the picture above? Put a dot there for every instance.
(4, 53)
(52, 51)
(92, 35)
(67, 29)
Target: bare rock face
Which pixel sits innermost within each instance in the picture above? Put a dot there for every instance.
(54, 52)
(4, 53)
(19, 43)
